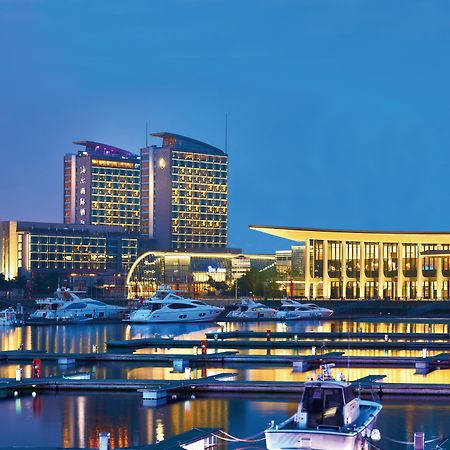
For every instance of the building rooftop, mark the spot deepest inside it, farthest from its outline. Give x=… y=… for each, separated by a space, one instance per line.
x=99 y=149
x=180 y=142
x=66 y=227
x=300 y=234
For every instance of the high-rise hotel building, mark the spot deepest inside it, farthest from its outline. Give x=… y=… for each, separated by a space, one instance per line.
x=184 y=194
x=101 y=186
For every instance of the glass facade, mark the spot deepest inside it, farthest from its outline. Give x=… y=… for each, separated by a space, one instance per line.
x=189 y=272
x=378 y=265
x=115 y=190
x=102 y=187
x=199 y=200
x=73 y=253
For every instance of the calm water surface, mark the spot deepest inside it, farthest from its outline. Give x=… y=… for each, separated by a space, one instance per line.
x=81 y=338
x=75 y=420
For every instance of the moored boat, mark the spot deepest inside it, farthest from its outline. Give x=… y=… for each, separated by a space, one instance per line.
x=9 y=317
x=247 y=308
x=329 y=417
x=167 y=306
x=294 y=310
x=67 y=307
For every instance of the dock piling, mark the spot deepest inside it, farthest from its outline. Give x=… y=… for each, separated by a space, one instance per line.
x=19 y=374
x=419 y=441
x=103 y=440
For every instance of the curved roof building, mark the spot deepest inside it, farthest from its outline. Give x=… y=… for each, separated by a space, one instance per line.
x=370 y=264
x=184 y=194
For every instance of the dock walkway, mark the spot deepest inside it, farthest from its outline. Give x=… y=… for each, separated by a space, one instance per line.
x=219 y=384
x=321 y=335
x=276 y=344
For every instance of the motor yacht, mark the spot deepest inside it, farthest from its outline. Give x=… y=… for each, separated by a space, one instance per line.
x=329 y=417
x=9 y=317
x=67 y=306
x=167 y=306
x=294 y=310
x=247 y=308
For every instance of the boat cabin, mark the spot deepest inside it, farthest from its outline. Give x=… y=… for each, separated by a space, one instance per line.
x=327 y=404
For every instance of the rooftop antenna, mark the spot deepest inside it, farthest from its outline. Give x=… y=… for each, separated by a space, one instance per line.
x=146 y=134
x=226 y=132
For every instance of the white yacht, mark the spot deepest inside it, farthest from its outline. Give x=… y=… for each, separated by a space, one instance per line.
x=293 y=310
x=167 y=306
x=247 y=308
x=9 y=317
x=66 y=306
x=329 y=417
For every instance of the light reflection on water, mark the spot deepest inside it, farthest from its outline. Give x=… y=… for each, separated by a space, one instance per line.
x=145 y=372
x=81 y=338
x=75 y=421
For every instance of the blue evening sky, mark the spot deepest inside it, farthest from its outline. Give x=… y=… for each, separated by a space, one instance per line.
x=339 y=110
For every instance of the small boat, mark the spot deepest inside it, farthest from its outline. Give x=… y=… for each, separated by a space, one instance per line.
x=9 y=317
x=294 y=310
x=247 y=308
x=167 y=306
x=67 y=307
x=329 y=417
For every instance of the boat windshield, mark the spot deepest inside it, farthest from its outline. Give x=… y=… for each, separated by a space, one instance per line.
x=154 y=306
x=324 y=406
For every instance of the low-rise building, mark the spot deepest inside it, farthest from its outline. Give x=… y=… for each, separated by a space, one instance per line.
x=80 y=254
x=354 y=264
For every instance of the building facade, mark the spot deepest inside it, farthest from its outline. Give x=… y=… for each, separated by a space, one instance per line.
x=184 y=194
x=190 y=271
x=73 y=251
x=102 y=186
x=368 y=264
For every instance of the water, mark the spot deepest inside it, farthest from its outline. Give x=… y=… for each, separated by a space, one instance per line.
x=75 y=420
x=81 y=338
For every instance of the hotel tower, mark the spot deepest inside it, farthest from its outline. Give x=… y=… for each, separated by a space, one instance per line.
x=184 y=194
x=101 y=186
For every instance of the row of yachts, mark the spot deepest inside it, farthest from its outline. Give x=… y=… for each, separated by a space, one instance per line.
x=166 y=305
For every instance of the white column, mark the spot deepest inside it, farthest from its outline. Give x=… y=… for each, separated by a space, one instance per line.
x=400 y=277
x=362 y=270
x=439 y=275
x=381 y=277
x=307 y=268
x=344 y=269
x=419 y=272
x=326 y=279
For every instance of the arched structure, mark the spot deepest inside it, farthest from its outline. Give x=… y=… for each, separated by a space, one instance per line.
x=189 y=272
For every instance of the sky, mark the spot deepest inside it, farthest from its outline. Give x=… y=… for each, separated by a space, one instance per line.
x=338 y=110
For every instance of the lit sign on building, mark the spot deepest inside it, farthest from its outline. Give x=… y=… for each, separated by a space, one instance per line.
x=216 y=269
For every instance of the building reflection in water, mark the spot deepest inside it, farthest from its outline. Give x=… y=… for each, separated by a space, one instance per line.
x=75 y=421
x=129 y=423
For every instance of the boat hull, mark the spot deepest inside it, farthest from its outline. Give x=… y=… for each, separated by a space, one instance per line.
x=286 y=438
x=174 y=317
x=252 y=315
x=302 y=440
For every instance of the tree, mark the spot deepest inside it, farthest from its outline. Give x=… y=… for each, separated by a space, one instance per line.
x=3 y=283
x=44 y=283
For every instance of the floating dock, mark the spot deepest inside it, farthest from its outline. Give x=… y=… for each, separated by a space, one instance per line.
x=320 y=335
x=134 y=344
x=217 y=384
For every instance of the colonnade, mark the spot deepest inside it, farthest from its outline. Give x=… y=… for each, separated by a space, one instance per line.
x=403 y=283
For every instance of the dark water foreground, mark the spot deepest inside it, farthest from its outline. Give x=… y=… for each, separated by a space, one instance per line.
x=75 y=420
